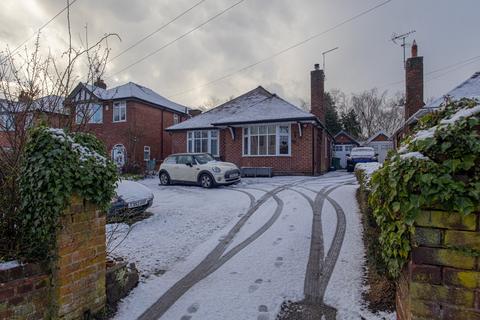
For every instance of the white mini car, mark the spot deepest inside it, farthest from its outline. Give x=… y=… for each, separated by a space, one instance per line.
x=197 y=168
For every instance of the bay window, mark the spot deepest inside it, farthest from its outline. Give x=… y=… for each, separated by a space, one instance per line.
x=203 y=141
x=267 y=140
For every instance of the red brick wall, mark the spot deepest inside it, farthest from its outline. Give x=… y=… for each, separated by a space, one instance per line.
x=380 y=137
x=414 y=86
x=317 y=88
x=344 y=139
x=80 y=270
x=145 y=126
x=300 y=161
x=441 y=282
x=24 y=293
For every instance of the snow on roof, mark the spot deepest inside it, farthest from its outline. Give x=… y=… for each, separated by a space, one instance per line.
x=470 y=89
x=50 y=103
x=255 y=106
x=133 y=90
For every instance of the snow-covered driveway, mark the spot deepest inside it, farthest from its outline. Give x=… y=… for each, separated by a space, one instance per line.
x=239 y=252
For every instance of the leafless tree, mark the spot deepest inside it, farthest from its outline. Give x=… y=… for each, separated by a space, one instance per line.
x=34 y=84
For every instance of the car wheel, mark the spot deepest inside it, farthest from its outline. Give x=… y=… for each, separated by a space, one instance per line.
x=206 y=181
x=164 y=179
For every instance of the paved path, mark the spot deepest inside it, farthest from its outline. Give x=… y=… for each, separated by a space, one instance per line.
x=319 y=267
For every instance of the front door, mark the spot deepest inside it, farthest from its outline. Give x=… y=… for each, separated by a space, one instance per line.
x=119 y=155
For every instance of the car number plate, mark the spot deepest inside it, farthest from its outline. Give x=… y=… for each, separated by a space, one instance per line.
x=138 y=203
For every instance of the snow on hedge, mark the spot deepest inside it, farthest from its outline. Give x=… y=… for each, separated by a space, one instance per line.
x=368 y=169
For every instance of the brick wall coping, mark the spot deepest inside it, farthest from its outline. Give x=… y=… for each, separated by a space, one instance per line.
x=19 y=271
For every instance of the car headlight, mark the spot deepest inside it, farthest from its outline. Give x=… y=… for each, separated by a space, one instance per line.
x=216 y=169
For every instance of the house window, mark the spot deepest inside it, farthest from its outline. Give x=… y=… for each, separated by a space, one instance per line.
x=203 y=141
x=348 y=148
x=6 y=122
x=120 y=111
x=338 y=148
x=92 y=113
x=146 y=153
x=268 y=140
x=176 y=119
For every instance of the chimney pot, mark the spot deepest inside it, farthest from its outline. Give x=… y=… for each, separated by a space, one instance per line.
x=414 y=49
x=317 y=66
x=100 y=83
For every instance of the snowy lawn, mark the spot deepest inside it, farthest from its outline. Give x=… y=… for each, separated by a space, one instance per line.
x=262 y=266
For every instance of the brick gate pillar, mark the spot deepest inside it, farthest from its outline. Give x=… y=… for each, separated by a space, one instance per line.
x=79 y=268
x=442 y=280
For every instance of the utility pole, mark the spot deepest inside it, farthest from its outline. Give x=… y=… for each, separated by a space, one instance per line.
x=403 y=44
x=323 y=56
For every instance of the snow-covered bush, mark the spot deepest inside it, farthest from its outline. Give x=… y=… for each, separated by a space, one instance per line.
x=57 y=165
x=364 y=172
x=439 y=165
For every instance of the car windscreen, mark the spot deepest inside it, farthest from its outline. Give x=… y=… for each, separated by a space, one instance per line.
x=203 y=158
x=362 y=152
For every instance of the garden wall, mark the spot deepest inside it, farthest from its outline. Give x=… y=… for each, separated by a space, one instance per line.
x=75 y=287
x=24 y=292
x=442 y=279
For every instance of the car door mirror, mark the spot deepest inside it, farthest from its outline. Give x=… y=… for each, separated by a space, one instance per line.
x=189 y=164
x=376 y=154
x=348 y=154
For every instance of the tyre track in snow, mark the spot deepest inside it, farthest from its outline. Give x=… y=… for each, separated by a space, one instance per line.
x=320 y=269
x=214 y=259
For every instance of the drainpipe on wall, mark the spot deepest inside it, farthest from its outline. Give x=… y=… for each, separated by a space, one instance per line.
x=313 y=150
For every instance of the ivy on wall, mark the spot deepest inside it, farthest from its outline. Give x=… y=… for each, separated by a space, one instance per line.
x=57 y=165
x=438 y=166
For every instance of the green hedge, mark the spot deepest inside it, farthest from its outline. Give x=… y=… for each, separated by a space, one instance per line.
x=439 y=165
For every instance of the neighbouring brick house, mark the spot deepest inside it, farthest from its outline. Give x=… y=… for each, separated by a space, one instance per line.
x=17 y=116
x=343 y=144
x=260 y=129
x=130 y=119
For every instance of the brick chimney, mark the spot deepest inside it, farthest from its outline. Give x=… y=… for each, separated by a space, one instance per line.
x=414 y=83
x=100 y=83
x=317 y=77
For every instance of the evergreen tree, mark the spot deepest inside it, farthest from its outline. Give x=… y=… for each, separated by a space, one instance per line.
x=350 y=123
x=332 y=121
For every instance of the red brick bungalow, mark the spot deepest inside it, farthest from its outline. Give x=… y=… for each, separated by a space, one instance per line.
x=130 y=119
x=260 y=129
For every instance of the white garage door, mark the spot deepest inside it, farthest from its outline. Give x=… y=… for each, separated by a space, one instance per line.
x=341 y=151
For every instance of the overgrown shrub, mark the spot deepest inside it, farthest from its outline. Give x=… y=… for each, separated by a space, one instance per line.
x=439 y=165
x=57 y=165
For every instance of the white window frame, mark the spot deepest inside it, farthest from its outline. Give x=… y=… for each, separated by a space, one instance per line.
x=147 y=149
x=277 y=140
x=191 y=138
x=119 y=106
x=176 y=119
x=80 y=115
x=338 y=148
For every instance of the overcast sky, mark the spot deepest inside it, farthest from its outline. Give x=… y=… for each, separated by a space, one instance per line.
x=446 y=32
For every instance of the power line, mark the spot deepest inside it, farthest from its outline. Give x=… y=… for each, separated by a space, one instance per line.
x=39 y=29
x=298 y=44
x=179 y=38
x=158 y=30
x=455 y=66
